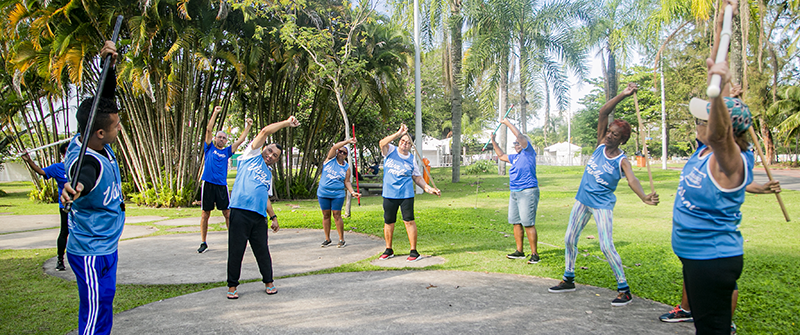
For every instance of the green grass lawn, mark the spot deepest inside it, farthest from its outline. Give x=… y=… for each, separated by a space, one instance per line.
x=469 y=229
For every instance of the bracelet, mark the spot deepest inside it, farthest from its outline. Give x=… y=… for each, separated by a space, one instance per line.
x=273 y=217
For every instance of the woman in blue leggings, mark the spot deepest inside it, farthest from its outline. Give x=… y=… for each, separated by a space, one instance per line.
x=330 y=193
x=595 y=197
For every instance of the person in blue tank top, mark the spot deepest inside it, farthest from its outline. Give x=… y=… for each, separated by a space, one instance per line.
x=595 y=197
x=400 y=173
x=98 y=212
x=214 y=189
x=57 y=172
x=523 y=200
x=250 y=207
x=706 y=213
x=334 y=179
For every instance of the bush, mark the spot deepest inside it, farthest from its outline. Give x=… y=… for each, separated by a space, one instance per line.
x=481 y=167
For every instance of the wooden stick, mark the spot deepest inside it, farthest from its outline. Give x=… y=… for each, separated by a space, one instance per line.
x=419 y=156
x=644 y=142
x=769 y=174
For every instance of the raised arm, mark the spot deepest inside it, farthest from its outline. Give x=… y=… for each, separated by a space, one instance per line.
x=501 y=155
x=210 y=126
x=521 y=139
x=336 y=147
x=636 y=186
x=384 y=143
x=248 y=123
x=272 y=128
x=32 y=164
x=726 y=165
x=608 y=107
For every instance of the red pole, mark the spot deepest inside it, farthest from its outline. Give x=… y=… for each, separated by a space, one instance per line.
x=355 y=164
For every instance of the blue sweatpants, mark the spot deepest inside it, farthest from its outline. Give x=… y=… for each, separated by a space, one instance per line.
x=97 y=284
x=577 y=221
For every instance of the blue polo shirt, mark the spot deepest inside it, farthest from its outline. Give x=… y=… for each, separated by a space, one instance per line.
x=522 y=174
x=57 y=171
x=215 y=168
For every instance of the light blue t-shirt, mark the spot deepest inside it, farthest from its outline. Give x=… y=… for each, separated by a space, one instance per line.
x=96 y=220
x=253 y=182
x=57 y=171
x=600 y=180
x=331 y=183
x=706 y=217
x=522 y=174
x=215 y=168
x=397 y=174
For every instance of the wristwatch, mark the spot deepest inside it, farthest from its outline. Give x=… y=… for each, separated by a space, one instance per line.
x=271 y=218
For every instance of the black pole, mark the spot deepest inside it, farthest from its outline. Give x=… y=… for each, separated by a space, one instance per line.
x=87 y=133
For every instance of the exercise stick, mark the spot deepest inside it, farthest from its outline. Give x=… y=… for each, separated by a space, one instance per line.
x=644 y=142
x=42 y=147
x=498 y=127
x=715 y=86
x=355 y=165
x=419 y=156
x=766 y=168
x=92 y=113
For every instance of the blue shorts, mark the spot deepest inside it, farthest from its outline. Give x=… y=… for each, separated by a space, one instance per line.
x=522 y=206
x=330 y=204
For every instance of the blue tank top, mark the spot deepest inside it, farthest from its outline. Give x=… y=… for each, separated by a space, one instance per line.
x=522 y=174
x=96 y=220
x=600 y=180
x=331 y=183
x=215 y=168
x=397 y=175
x=253 y=182
x=706 y=217
x=57 y=171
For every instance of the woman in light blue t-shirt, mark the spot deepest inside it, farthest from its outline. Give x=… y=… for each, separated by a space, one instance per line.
x=334 y=179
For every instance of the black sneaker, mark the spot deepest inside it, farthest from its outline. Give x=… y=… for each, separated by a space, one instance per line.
x=534 y=259
x=341 y=244
x=516 y=255
x=623 y=298
x=677 y=314
x=733 y=328
x=203 y=247
x=325 y=243
x=388 y=253
x=563 y=286
x=60 y=265
x=413 y=256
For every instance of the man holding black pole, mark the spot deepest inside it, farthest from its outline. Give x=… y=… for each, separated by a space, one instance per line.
x=97 y=215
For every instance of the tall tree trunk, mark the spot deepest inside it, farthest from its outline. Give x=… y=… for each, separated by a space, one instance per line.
x=456 y=22
x=546 y=108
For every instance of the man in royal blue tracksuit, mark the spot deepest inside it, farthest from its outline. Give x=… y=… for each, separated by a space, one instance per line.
x=98 y=213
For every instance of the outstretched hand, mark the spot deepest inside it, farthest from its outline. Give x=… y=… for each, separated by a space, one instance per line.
x=352 y=140
x=109 y=48
x=720 y=68
x=68 y=193
x=630 y=89
x=248 y=122
x=433 y=190
x=651 y=199
x=293 y=121
x=403 y=129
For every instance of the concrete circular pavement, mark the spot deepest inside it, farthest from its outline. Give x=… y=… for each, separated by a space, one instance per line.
x=400 y=302
x=173 y=259
x=46 y=238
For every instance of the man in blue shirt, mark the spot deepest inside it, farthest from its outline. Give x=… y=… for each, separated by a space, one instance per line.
x=250 y=207
x=55 y=171
x=215 y=174
x=98 y=213
x=524 y=197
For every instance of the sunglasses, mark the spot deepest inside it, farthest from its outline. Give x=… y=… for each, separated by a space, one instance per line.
x=700 y=122
x=516 y=143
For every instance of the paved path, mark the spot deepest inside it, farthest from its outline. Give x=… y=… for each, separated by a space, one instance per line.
x=20 y=223
x=400 y=302
x=790 y=179
x=46 y=238
x=173 y=259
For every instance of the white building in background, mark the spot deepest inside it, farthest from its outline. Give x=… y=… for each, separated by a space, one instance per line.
x=561 y=154
x=437 y=151
x=14 y=172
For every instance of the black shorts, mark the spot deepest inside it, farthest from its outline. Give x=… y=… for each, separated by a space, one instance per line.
x=213 y=193
x=390 y=209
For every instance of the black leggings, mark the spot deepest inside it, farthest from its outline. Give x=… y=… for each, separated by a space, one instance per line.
x=61 y=243
x=247 y=226
x=709 y=286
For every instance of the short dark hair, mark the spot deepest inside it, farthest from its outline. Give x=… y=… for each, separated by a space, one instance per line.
x=102 y=119
x=63 y=148
x=625 y=129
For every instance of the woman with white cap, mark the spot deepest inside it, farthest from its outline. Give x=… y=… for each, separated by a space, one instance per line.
x=335 y=178
x=706 y=215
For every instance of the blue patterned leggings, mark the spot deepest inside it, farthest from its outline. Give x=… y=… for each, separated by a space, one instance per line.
x=577 y=221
